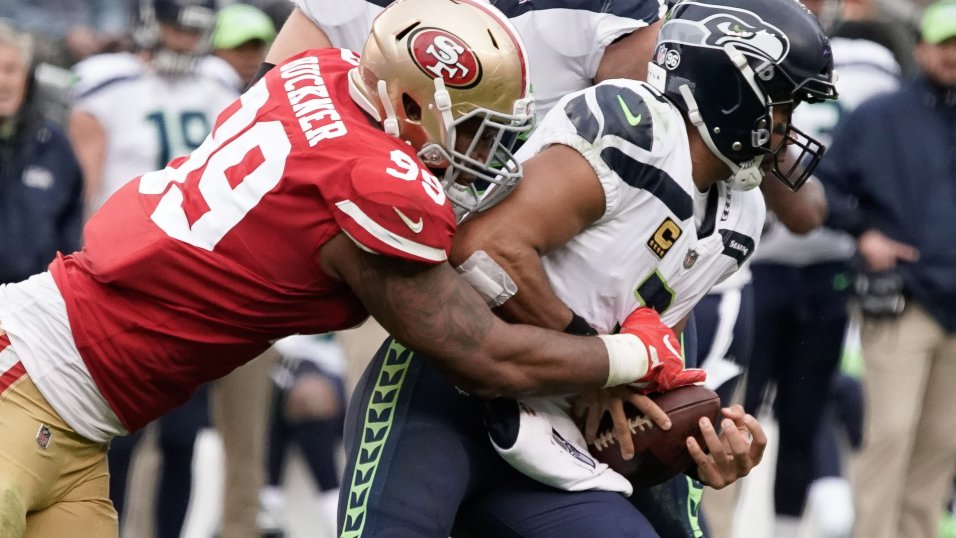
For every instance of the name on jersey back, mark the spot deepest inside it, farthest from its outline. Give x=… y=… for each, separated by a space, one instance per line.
x=310 y=100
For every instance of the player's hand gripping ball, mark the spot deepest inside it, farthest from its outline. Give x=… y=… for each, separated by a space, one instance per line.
x=659 y=455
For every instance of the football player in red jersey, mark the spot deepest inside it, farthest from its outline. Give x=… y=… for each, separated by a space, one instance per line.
x=312 y=204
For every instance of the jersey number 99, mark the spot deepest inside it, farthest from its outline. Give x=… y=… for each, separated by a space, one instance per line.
x=230 y=144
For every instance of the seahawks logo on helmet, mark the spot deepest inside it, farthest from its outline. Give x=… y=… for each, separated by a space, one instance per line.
x=739 y=27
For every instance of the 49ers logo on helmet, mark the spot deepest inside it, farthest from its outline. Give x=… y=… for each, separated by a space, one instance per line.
x=444 y=55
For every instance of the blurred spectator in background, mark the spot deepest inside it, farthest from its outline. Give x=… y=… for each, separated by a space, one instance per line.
x=132 y=113
x=798 y=337
x=241 y=38
x=308 y=412
x=69 y=30
x=41 y=186
x=891 y=177
x=277 y=10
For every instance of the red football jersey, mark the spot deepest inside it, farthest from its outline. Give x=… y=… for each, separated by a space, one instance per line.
x=188 y=272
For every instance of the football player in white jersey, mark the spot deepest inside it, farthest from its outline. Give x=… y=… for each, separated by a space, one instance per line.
x=571 y=44
x=133 y=112
x=634 y=195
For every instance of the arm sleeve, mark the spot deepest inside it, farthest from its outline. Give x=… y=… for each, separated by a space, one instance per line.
x=347 y=24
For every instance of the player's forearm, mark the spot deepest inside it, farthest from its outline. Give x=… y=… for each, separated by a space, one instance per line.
x=801 y=211
x=298 y=33
x=514 y=258
x=527 y=360
x=433 y=311
x=534 y=302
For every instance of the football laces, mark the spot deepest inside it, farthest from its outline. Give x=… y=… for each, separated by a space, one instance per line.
x=635 y=424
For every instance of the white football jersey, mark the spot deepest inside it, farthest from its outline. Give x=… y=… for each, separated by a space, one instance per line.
x=148 y=119
x=565 y=40
x=865 y=69
x=660 y=242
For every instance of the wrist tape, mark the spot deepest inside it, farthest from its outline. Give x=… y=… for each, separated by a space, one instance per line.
x=627 y=358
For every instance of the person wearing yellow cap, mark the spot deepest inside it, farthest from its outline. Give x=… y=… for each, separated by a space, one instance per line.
x=939 y=22
x=890 y=178
x=241 y=36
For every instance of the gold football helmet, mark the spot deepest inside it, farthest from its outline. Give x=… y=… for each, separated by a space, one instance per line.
x=450 y=77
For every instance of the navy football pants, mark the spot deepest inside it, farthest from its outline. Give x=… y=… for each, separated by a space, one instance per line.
x=417 y=452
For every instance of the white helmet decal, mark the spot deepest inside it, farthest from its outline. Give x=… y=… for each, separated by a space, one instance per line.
x=745 y=30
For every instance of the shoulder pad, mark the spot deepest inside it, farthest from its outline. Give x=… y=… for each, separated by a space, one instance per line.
x=619 y=108
x=101 y=70
x=393 y=205
x=216 y=69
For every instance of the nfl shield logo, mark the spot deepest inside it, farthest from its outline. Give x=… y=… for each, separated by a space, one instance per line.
x=690 y=259
x=43 y=436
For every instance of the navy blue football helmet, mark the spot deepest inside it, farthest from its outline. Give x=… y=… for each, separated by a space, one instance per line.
x=728 y=63
x=192 y=16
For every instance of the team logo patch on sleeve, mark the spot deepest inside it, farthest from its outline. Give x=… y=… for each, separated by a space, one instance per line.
x=664 y=237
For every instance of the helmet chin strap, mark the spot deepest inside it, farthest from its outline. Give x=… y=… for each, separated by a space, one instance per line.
x=744 y=176
x=390 y=124
x=433 y=153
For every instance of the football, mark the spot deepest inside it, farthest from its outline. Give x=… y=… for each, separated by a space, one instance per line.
x=659 y=455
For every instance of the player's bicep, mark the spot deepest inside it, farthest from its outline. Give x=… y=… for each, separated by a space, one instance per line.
x=628 y=56
x=428 y=308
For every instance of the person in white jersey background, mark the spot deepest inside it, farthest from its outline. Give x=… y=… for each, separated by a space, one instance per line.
x=133 y=112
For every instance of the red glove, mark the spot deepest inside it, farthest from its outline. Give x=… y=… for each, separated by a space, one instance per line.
x=665 y=368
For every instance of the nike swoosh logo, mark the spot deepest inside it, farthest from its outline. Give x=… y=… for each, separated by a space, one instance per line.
x=670 y=346
x=412 y=225
x=631 y=118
